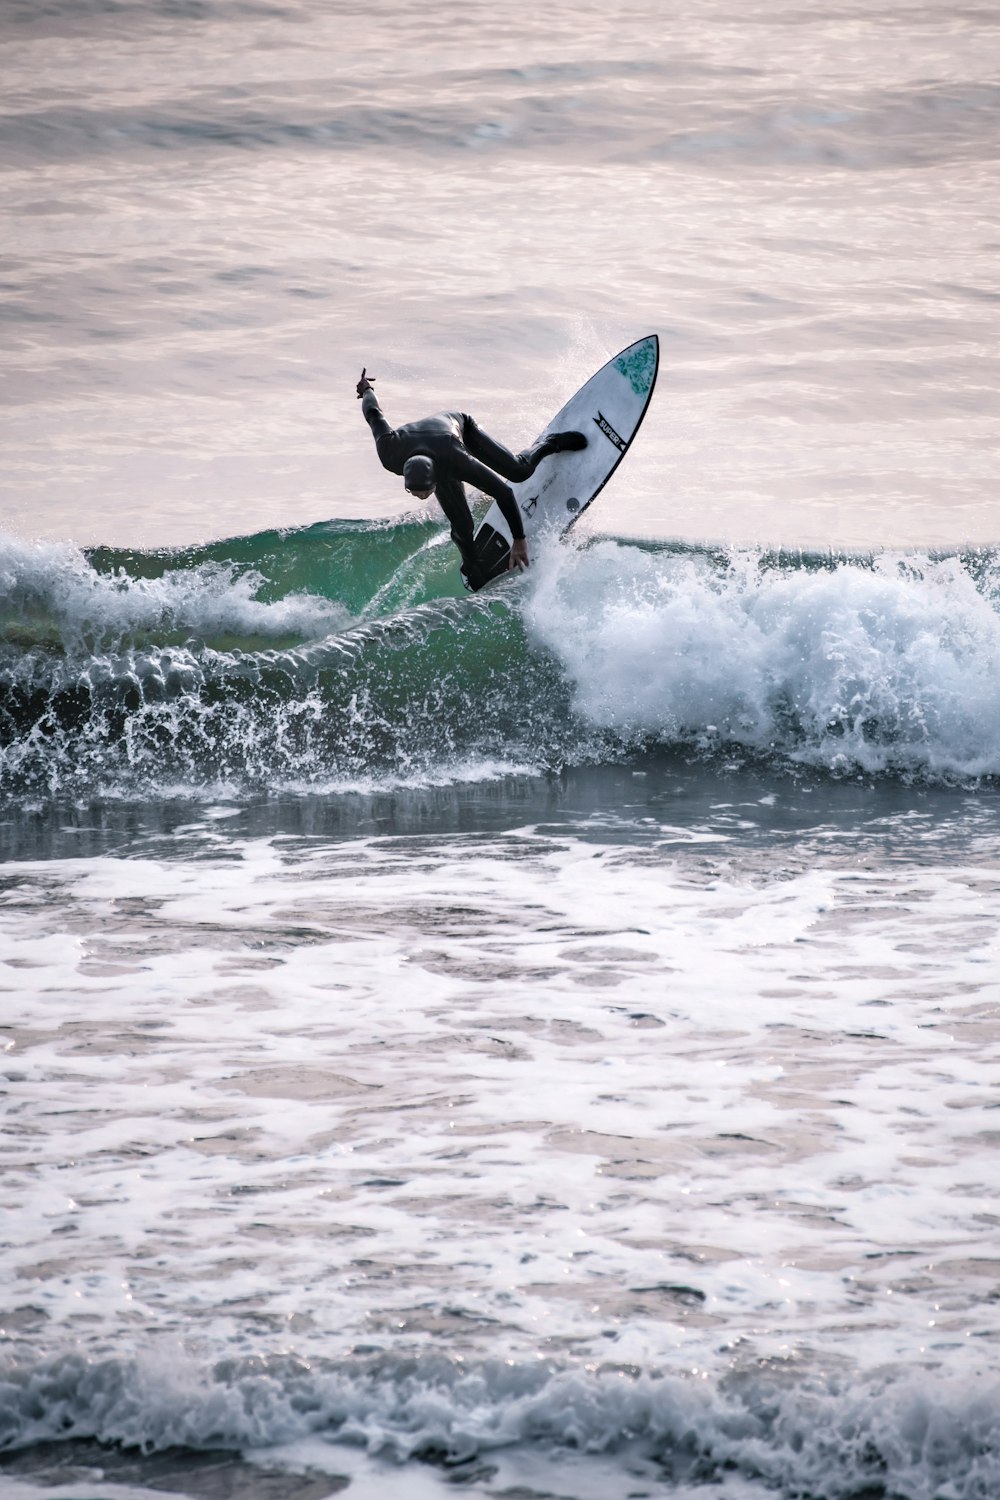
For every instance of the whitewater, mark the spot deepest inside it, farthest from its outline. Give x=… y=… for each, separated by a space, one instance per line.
x=221 y=667
x=542 y=1043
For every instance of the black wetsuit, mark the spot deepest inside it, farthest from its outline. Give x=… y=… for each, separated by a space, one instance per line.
x=463 y=454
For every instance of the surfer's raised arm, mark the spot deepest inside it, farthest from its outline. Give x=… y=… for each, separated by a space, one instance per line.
x=370 y=407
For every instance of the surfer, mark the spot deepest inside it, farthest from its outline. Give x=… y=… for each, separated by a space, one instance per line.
x=438 y=455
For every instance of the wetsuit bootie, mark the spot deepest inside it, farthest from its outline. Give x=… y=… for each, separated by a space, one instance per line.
x=568 y=442
x=560 y=442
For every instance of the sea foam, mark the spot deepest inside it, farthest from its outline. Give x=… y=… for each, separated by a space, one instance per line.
x=892 y=666
x=794 y=1430
x=51 y=595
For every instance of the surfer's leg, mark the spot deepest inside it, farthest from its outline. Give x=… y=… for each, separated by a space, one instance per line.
x=510 y=466
x=517 y=467
x=471 y=566
x=452 y=499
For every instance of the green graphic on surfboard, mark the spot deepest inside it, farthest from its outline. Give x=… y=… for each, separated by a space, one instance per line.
x=638 y=365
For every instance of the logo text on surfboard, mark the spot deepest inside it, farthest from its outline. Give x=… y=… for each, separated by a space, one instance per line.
x=609 y=431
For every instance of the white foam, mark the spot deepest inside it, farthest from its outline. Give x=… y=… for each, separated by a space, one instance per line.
x=648 y=1080
x=91 y=613
x=894 y=667
x=787 y=1429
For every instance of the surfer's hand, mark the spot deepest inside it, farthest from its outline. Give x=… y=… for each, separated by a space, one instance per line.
x=365 y=383
x=518 y=555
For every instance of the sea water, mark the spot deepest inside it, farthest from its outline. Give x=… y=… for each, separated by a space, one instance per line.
x=538 y=1044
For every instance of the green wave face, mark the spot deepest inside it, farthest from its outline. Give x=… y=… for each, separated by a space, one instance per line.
x=341 y=654
x=361 y=564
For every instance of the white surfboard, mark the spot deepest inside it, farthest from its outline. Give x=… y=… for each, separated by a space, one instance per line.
x=609 y=409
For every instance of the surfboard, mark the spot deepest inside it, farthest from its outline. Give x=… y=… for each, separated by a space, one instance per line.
x=609 y=409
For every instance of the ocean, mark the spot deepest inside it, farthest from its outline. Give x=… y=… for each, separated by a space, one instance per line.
x=543 y=1044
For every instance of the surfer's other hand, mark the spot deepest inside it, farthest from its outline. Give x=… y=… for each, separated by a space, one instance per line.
x=365 y=383
x=518 y=556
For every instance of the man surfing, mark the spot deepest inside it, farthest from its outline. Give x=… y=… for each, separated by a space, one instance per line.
x=438 y=455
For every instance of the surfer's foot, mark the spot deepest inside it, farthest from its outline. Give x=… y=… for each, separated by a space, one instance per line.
x=560 y=442
x=566 y=442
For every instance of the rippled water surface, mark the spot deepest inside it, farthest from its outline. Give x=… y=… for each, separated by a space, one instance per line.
x=218 y=212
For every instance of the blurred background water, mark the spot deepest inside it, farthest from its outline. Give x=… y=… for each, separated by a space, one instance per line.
x=217 y=212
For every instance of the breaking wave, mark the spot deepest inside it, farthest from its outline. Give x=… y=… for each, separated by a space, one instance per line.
x=341 y=655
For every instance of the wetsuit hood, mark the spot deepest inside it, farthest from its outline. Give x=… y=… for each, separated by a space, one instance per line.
x=418 y=473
